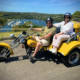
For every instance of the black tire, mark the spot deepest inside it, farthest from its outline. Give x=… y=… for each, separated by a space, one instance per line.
x=2 y=50
x=72 y=59
x=29 y=51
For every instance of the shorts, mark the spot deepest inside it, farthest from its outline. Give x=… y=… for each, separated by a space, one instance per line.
x=43 y=41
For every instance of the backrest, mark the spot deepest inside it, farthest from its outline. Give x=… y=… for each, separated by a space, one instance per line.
x=76 y=26
x=58 y=30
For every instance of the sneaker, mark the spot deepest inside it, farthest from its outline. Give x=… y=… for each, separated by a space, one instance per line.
x=54 y=51
x=51 y=49
x=31 y=57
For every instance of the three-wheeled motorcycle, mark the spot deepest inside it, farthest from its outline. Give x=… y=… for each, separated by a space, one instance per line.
x=69 y=50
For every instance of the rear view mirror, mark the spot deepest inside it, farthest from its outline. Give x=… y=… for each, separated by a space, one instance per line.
x=12 y=36
x=24 y=32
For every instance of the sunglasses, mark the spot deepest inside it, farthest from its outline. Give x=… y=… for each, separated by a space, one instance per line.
x=66 y=17
x=48 y=23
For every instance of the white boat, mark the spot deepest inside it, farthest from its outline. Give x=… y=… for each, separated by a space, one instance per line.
x=25 y=21
x=10 y=23
x=17 y=23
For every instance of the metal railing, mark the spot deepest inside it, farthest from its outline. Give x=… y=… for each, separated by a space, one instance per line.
x=74 y=37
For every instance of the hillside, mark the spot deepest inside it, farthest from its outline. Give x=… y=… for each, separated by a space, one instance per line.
x=31 y=15
x=4 y=16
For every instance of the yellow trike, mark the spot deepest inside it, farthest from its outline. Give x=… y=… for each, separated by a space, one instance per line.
x=69 y=50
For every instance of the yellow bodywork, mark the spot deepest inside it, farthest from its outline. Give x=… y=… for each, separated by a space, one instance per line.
x=76 y=26
x=31 y=42
x=3 y=44
x=65 y=48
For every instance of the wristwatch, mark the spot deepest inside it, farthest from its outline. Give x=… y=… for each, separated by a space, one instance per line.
x=43 y=37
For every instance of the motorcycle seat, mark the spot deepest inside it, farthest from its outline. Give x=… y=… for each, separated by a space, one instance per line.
x=74 y=39
x=58 y=30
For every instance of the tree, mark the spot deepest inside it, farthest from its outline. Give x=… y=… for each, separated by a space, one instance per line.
x=76 y=16
x=2 y=22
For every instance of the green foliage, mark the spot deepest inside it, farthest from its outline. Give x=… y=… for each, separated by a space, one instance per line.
x=76 y=16
x=37 y=26
x=31 y=15
x=0 y=39
x=26 y=25
x=1 y=15
x=2 y=22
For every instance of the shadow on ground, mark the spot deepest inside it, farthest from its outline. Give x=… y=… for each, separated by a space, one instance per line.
x=40 y=56
x=46 y=56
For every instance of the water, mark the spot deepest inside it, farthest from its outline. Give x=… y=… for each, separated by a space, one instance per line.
x=20 y=22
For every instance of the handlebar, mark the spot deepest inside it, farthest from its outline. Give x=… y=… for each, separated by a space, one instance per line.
x=35 y=32
x=24 y=32
x=17 y=39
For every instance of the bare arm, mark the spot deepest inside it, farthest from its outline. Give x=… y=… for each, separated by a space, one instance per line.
x=58 y=24
x=53 y=25
x=58 y=34
x=37 y=29
x=46 y=36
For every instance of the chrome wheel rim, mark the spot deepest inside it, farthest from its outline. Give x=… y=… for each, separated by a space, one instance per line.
x=2 y=52
x=74 y=58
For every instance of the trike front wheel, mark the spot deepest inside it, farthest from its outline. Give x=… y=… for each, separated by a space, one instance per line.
x=3 y=53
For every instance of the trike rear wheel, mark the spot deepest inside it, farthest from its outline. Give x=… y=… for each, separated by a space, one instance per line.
x=73 y=58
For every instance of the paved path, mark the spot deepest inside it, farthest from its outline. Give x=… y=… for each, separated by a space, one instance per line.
x=48 y=67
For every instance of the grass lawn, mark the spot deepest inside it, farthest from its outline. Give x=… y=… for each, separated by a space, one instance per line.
x=7 y=34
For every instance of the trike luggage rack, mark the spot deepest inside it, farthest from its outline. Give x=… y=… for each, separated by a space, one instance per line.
x=74 y=37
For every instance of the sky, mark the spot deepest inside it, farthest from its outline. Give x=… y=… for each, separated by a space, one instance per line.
x=40 y=6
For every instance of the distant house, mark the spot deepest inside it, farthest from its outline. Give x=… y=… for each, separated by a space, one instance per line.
x=0 y=26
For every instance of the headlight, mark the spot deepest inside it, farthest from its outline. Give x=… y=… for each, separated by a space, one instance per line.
x=22 y=41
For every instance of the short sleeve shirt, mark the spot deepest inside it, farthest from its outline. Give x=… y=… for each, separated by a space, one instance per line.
x=47 y=30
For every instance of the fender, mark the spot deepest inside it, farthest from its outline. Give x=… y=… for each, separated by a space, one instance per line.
x=3 y=44
x=65 y=48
